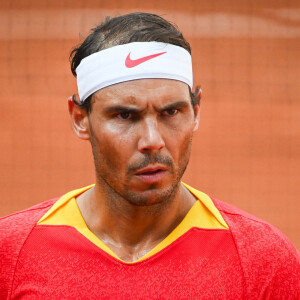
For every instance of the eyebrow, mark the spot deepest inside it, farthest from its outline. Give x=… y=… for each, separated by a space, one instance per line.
x=120 y=108
x=177 y=104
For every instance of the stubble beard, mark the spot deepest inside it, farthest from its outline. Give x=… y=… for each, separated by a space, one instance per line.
x=153 y=196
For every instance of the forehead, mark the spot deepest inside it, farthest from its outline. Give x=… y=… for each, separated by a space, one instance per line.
x=143 y=92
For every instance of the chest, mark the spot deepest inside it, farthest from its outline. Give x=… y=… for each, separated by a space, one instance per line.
x=57 y=262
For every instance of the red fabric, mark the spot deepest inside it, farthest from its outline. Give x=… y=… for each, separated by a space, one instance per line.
x=252 y=260
x=265 y=253
x=66 y=265
x=14 y=230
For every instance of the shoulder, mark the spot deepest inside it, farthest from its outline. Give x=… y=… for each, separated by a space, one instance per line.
x=247 y=228
x=14 y=230
x=267 y=256
x=22 y=220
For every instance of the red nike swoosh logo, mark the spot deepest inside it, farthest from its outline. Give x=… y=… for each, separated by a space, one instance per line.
x=130 y=63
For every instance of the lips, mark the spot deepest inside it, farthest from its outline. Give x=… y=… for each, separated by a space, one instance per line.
x=151 y=174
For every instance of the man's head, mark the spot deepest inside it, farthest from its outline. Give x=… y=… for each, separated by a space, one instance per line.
x=140 y=130
x=133 y=27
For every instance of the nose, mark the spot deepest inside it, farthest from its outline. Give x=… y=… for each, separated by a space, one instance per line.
x=150 y=136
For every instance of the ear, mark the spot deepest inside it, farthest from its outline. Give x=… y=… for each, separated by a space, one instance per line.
x=197 y=110
x=79 y=120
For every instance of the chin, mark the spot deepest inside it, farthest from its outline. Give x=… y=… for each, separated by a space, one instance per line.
x=151 y=196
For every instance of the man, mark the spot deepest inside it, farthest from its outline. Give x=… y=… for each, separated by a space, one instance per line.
x=139 y=232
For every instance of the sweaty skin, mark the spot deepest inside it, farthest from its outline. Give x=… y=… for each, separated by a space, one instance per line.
x=141 y=133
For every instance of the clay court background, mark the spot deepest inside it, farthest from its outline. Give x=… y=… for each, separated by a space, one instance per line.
x=246 y=56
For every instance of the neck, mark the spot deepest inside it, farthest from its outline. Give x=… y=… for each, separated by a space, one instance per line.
x=131 y=231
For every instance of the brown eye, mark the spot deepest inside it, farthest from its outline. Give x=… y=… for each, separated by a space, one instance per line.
x=124 y=115
x=171 y=111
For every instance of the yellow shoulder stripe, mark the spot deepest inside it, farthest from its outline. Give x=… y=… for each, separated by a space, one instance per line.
x=203 y=214
x=58 y=205
x=208 y=204
x=65 y=211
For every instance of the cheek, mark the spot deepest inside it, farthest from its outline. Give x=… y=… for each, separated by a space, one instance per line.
x=180 y=141
x=112 y=147
x=185 y=147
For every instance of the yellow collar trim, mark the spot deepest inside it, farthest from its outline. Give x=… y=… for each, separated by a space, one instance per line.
x=203 y=214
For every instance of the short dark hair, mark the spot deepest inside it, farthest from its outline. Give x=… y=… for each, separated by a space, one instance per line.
x=133 y=27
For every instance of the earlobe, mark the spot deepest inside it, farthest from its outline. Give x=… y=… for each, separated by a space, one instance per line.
x=79 y=120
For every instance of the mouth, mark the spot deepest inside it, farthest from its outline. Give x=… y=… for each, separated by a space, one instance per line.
x=151 y=174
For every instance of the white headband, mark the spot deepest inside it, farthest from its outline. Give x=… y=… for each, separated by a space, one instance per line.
x=133 y=61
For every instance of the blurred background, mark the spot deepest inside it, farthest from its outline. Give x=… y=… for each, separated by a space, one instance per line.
x=246 y=57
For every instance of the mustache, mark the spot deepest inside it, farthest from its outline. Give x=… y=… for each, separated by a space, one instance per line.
x=150 y=159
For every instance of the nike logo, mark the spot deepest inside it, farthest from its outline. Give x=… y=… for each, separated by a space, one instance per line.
x=130 y=63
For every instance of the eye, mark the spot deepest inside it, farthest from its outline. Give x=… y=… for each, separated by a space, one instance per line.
x=171 y=111
x=124 y=115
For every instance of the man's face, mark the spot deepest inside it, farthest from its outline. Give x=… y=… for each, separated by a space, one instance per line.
x=141 y=133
